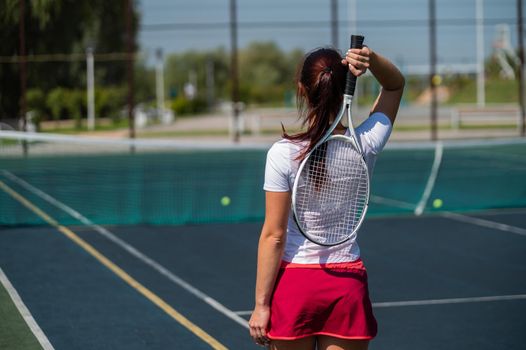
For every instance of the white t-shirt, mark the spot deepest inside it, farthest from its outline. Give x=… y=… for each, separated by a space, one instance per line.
x=280 y=172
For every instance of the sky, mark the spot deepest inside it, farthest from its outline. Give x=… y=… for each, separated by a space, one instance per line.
x=396 y=28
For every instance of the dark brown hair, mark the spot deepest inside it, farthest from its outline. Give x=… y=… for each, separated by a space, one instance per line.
x=320 y=87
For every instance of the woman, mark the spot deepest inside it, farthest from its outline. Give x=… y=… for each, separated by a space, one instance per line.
x=309 y=296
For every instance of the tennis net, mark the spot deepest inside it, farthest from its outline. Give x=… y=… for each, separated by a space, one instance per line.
x=167 y=182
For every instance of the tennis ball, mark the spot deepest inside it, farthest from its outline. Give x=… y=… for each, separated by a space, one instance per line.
x=436 y=80
x=225 y=201
x=437 y=203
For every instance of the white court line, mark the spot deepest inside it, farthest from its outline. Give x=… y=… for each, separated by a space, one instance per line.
x=24 y=312
x=140 y=143
x=457 y=217
x=484 y=223
x=244 y=313
x=392 y=202
x=207 y=299
x=130 y=249
x=430 y=180
x=453 y=216
x=432 y=302
x=449 y=301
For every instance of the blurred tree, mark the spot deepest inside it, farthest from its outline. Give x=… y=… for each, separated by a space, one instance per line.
x=178 y=68
x=61 y=26
x=144 y=82
x=267 y=73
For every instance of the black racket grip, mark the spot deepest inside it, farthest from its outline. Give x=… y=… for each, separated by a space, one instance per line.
x=350 y=85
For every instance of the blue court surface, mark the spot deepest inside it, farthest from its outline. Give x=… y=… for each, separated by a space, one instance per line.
x=144 y=245
x=446 y=281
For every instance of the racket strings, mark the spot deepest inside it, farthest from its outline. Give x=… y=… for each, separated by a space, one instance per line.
x=333 y=193
x=317 y=169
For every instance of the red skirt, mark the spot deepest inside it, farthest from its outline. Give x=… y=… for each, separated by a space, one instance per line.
x=330 y=300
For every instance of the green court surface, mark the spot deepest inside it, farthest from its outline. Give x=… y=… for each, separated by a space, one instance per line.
x=118 y=183
x=14 y=331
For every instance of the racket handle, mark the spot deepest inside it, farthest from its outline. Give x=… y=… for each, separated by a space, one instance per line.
x=350 y=85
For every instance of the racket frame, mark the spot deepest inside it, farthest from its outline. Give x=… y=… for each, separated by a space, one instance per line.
x=353 y=138
x=345 y=109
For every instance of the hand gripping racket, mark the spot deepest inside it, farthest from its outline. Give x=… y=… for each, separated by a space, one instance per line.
x=331 y=190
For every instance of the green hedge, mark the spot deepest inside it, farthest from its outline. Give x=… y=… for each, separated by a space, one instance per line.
x=62 y=104
x=184 y=106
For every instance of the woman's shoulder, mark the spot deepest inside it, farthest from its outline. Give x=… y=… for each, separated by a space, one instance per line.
x=375 y=120
x=374 y=132
x=285 y=152
x=286 y=146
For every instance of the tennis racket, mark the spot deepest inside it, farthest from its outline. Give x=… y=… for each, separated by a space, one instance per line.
x=331 y=190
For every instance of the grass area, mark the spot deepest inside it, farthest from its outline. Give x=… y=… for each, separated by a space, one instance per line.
x=8 y=142
x=270 y=131
x=68 y=126
x=398 y=128
x=215 y=132
x=497 y=91
x=182 y=133
x=14 y=332
x=420 y=127
x=487 y=127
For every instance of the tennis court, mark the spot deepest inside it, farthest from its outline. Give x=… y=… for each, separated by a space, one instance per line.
x=152 y=245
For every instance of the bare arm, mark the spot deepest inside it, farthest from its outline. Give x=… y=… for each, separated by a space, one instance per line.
x=385 y=72
x=392 y=82
x=270 y=252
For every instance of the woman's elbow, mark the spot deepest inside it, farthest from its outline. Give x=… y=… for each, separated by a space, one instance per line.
x=275 y=238
x=397 y=86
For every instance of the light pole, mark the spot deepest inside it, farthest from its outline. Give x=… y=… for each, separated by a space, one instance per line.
x=159 y=83
x=520 y=30
x=234 y=69
x=481 y=80
x=432 y=67
x=90 y=79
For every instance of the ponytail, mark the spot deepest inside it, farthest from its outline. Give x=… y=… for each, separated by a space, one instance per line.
x=321 y=82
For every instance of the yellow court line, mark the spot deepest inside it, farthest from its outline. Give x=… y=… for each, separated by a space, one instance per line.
x=117 y=270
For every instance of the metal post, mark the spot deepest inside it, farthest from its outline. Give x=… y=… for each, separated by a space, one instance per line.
x=23 y=73
x=159 y=83
x=90 y=78
x=210 y=83
x=481 y=81
x=353 y=15
x=234 y=68
x=22 y=62
x=432 y=69
x=522 y=68
x=334 y=22
x=131 y=87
